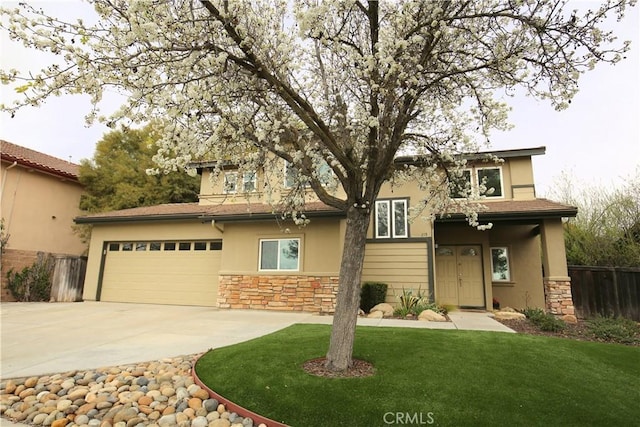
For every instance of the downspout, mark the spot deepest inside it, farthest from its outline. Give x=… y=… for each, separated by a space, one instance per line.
x=4 y=178
x=4 y=181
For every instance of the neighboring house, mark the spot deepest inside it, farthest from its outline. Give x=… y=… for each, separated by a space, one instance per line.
x=40 y=198
x=240 y=254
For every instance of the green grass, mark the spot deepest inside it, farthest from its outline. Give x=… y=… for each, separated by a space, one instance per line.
x=456 y=378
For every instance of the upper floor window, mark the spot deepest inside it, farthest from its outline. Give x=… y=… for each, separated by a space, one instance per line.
x=470 y=183
x=391 y=219
x=324 y=174
x=231 y=182
x=249 y=182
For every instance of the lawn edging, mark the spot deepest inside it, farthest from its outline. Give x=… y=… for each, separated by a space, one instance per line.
x=231 y=406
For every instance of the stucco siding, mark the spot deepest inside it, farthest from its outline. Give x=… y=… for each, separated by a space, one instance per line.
x=38 y=210
x=524 y=289
x=319 y=242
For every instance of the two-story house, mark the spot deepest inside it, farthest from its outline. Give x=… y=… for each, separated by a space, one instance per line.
x=40 y=197
x=232 y=250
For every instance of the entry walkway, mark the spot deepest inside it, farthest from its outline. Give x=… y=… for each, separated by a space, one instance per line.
x=43 y=338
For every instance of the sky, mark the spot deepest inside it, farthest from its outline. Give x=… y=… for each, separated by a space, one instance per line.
x=596 y=141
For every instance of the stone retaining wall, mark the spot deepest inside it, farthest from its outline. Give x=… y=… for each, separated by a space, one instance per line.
x=16 y=259
x=557 y=294
x=316 y=294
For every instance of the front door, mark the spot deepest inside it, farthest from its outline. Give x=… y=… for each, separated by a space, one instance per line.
x=459 y=279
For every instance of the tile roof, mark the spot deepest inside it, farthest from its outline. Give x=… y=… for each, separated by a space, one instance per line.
x=34 y=159
x=185 y=211
x=505 y=209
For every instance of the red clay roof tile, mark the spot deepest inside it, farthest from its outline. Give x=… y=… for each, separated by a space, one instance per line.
x=34 y=159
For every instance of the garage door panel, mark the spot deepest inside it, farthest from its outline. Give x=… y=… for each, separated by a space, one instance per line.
x=162 y=277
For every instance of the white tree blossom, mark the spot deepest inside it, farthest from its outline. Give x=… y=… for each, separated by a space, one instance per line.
x=349 y=84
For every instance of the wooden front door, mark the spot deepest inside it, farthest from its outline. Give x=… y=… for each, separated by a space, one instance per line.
x=459 y=278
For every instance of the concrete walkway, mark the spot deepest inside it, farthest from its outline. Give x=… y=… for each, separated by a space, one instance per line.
x=43 y=338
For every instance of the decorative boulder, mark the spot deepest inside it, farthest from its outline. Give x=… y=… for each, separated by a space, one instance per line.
x=508 y=310
x=509 y=315
x=376 y=315
x=569 y=318
x=386 y=309
x=431 y=316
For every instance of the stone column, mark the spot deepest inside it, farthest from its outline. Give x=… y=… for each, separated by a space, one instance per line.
x=557 y=294
x=557 y=283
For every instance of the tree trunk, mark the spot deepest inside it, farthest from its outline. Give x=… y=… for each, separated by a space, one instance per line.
x=339 y=356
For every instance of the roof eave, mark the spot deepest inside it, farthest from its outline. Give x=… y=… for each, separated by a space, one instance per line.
x=506 y=216
x=198 y=216
x=270 y=215
x=31 y=165
x=136 y=218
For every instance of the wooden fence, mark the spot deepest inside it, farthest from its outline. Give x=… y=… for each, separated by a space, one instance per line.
x=606 y=291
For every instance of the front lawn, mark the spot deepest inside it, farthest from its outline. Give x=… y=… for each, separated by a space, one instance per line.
x=436 y=377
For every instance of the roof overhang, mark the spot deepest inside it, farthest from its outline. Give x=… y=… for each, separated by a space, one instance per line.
x=204 y=213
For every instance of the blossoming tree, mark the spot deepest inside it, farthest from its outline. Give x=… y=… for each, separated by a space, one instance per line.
x=335 y=88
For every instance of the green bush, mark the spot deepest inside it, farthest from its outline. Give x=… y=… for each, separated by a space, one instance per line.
x=533 y=314
x=544 y=321
x=32 y=283
x=614 y=329
x=372 y=294
x=551 y=323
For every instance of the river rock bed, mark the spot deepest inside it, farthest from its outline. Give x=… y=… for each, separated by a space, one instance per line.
x=158 y=393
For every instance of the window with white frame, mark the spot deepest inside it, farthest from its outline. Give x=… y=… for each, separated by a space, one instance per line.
x=460 y=184
x=485 y=182
x=230 y=182
x=249 y=182
x=491 y=180
x=279 y=254
x=290 y=175
x=324 y=174
x=500 y=271
x=391 y=219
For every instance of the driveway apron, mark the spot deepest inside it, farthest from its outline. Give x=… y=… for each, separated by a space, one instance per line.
x=43 y=338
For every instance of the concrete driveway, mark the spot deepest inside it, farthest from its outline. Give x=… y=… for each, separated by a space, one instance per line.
x=43 y=338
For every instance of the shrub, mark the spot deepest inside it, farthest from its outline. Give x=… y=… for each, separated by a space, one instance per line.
x=533 y=314
x=32 y=283
x=544 y=321
x=614 y=329
x=372 y=294
x=551 y=323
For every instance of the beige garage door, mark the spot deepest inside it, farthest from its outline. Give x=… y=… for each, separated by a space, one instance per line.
x=176 y=272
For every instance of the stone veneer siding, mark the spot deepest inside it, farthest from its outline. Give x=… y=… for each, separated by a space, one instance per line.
x=557 y=294
x=316 y=294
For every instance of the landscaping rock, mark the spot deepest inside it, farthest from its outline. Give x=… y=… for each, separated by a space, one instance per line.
x=431 y=316
x=508 y=310
x=386 y=309
x=509 y=315
x=569 y=318
x=375 y=315
x=159 y=394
